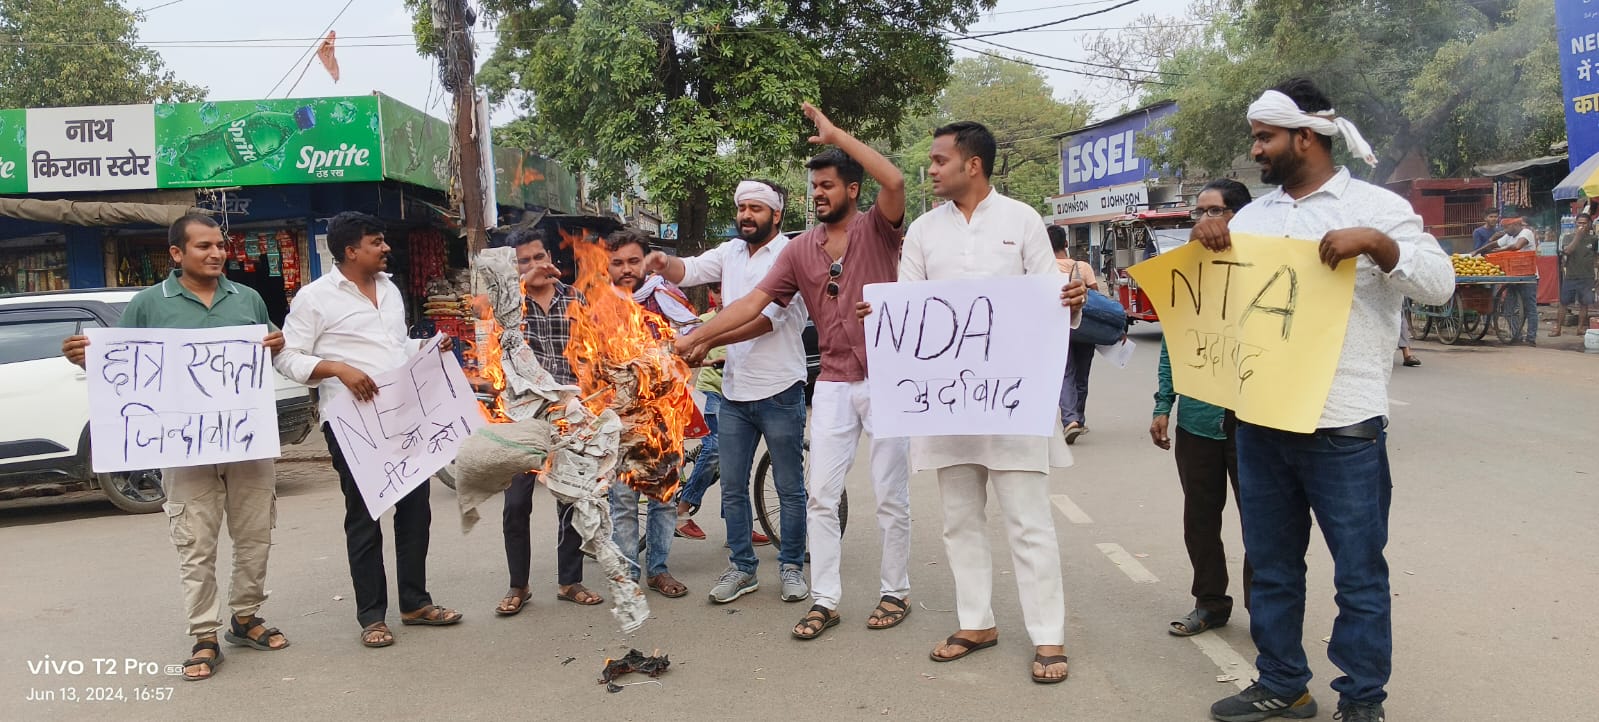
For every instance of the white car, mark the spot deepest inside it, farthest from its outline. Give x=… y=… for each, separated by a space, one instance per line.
x=44 y=434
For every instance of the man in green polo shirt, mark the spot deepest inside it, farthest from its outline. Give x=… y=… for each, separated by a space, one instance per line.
x=197 y=295
x=1207 y=460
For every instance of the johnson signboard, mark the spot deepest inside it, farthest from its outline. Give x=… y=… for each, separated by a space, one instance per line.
x=1105 y=154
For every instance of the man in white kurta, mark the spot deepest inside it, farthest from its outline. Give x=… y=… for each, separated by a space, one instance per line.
x=981 y=234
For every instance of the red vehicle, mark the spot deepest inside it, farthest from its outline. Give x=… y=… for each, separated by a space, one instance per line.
x=1137 y=237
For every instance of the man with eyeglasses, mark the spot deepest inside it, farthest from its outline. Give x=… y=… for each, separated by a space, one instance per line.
x=827 y=266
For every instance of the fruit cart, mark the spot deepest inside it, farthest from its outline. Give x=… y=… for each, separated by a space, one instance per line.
x=1485 y=299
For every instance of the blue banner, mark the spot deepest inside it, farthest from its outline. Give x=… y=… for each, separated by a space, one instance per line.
x=1577 y=27
x=1104 y=155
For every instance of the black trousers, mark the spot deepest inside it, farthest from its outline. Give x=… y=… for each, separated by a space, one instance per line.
x=519 y=540
x=363 y=539
x=1206 y=468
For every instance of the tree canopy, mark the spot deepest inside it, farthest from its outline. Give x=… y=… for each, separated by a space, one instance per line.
x=80 y=52
x=693 y=95
x=1459 y=81
x=1018 y=106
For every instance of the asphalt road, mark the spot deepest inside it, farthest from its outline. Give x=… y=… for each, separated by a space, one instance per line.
x=1491 y=549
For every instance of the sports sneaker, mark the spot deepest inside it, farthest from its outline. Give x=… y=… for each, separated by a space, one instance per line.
x=794 y=586
x=759 y=539
x=689 y=530
x=1258 y=703
x=1359 y=712
x=1073 y=430
x=732 y=585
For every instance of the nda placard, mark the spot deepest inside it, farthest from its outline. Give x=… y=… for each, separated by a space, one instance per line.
x=966 y=357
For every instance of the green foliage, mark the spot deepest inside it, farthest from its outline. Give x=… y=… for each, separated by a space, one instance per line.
x=692 y=95
x=80 y=52
x=1018 y=106
x=1461 y=81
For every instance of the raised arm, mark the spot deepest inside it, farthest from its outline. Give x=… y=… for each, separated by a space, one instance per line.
x=694 y=346
x=891 y=196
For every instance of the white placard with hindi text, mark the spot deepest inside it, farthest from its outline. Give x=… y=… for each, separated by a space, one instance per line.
x=410 y=430
x=966 y=357
x=165 y=397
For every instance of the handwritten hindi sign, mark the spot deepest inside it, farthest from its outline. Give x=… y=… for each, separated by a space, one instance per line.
x=410 y=430
x=106 y=147
x=966 y=357
x=1257 y=329
x=180 y=397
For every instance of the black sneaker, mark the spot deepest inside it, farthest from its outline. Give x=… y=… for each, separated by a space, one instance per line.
x=1359 y=712
x=1257 y=703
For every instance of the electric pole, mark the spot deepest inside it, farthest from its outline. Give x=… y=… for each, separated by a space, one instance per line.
x=457 y=69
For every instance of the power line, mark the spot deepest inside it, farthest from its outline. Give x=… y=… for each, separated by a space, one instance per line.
x=1155 y=71
x=1047 y=7
x=1053 y=23
x=169 y=3
x=1051 y=67
x=311 y=49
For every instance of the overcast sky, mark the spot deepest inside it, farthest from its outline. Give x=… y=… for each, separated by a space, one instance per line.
x=376 y=52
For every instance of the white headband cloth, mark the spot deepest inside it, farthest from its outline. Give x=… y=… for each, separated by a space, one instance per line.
x=760 y=193
x=1274 y=108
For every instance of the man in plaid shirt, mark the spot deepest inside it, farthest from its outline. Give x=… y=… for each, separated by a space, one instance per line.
x=547 y=329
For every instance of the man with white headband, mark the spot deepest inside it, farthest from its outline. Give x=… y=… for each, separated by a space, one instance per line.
x=1340 y=472
x=763 y=385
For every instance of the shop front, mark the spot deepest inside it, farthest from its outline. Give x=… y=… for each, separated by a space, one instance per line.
x=1104 y=177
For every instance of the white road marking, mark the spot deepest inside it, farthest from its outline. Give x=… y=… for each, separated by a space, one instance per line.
x=1073 y=512
x=1228 y=660
x=1397 y=402
x=1128 y=564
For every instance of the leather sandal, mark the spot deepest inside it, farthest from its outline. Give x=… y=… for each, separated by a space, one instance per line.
x=965 y=644
x=1045 y=662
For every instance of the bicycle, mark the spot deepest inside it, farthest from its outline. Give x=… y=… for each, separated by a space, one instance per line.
x=763 y=488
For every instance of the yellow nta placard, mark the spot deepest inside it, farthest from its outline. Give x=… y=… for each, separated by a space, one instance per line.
x=1257 y=329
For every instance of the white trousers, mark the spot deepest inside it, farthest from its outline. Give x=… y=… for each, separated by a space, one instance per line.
x=839 y=413
x=1030 y=526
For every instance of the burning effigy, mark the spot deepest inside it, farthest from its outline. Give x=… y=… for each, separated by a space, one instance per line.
x=624 y=422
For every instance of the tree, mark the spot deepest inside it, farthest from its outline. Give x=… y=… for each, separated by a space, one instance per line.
x=694 y=94
x=80 y=52
x=1461 y=81
x=1017 y=104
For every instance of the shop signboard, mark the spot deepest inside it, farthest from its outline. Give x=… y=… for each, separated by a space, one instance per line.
x=1577 y=32
x=269 y=142
x=92 y=148
x=416 y=147
x=1098 y=204
x=1106 y=154
x=13 y=151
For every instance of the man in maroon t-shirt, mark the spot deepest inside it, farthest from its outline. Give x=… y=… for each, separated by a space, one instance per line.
x=828 y=266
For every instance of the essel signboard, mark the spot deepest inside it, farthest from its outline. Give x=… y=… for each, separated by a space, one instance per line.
x=1106 y=155
x=1577 y=28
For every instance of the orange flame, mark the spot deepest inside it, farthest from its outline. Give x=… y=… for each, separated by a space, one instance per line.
x=616 y=341
x=486 y=351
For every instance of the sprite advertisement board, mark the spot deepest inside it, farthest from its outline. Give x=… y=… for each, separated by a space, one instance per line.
x=268 y=142
x=13 y=151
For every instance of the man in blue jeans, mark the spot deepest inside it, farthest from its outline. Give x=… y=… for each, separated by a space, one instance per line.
x=763 y=389
x=627 y=247
x=1340 y=472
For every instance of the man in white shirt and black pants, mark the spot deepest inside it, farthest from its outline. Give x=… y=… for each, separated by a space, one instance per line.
x=344 y=326
x=1340 y=472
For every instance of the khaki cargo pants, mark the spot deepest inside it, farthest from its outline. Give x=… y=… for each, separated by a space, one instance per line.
x=198 y=497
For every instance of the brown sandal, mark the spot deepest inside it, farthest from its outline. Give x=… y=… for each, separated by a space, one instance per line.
x=376 y=628
x=667 y=586
x=575 y=596
x=965 y=644
x=1045 y=662
x=886 y=613
x=515 y=597
x=816 y=621
x=433 y=615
